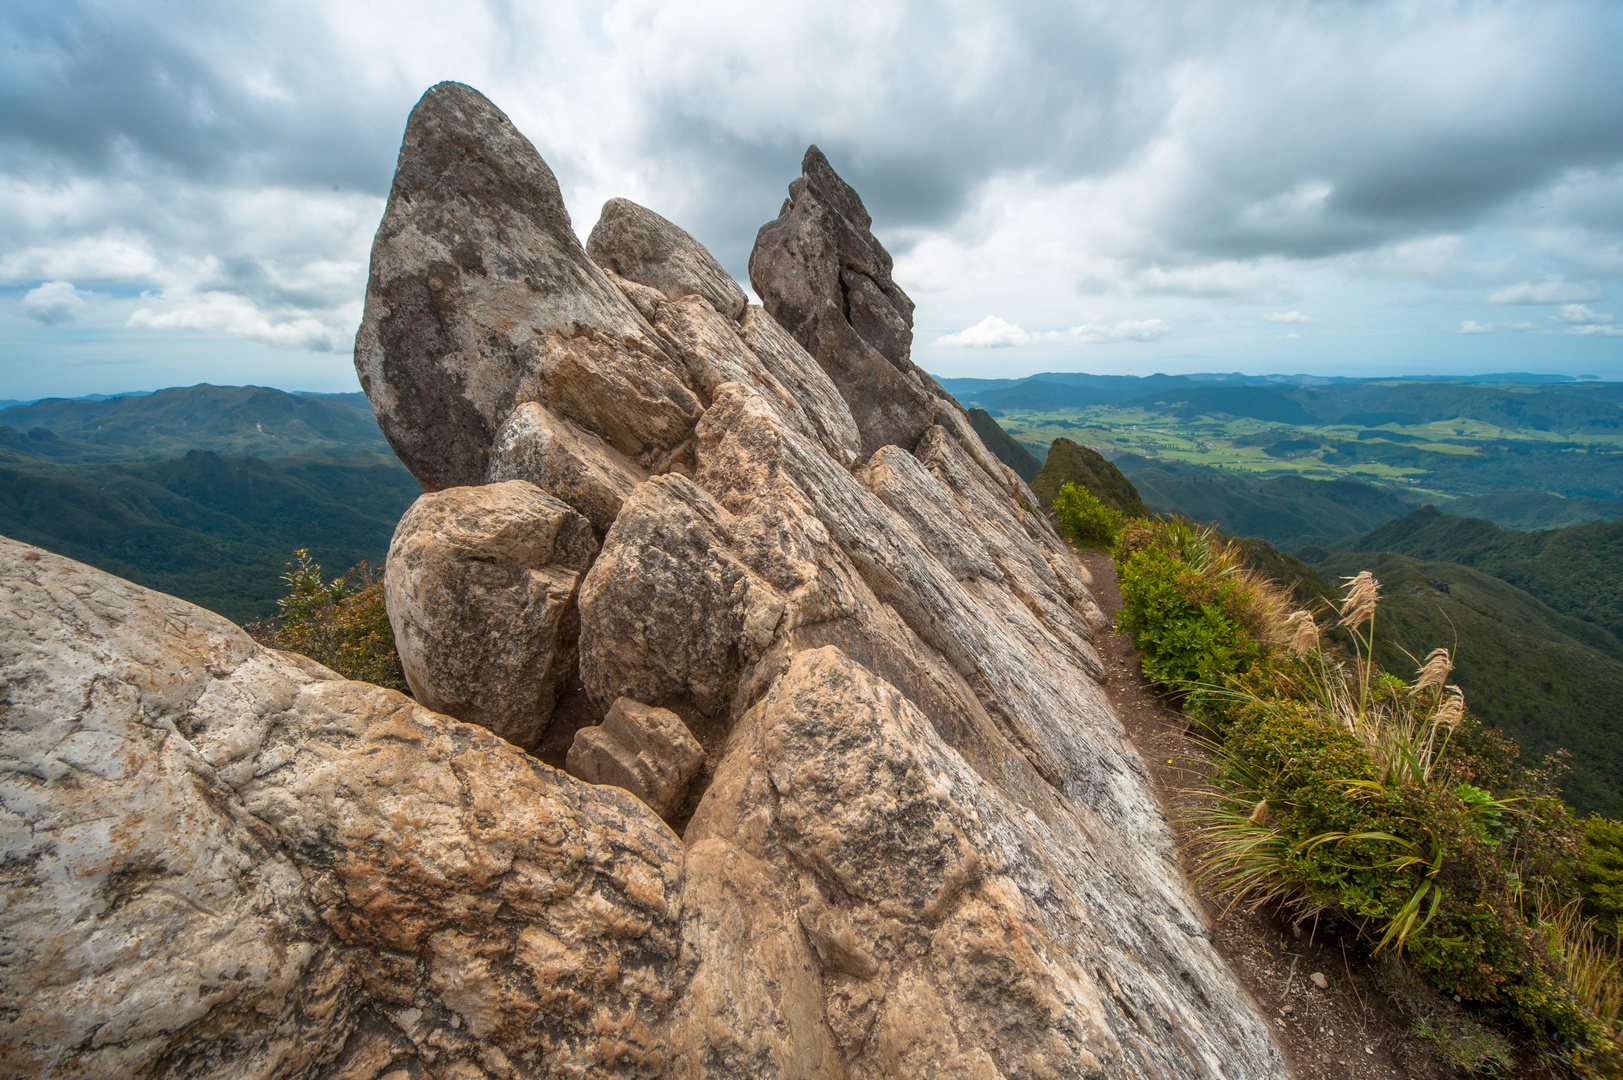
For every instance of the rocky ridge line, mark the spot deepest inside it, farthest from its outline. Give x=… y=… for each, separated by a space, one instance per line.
x=926 y=846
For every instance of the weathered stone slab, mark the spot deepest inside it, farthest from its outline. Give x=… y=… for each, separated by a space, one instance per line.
x=648 y=752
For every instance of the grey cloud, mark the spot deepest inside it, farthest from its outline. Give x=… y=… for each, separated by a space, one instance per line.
x=90 y=86
x=1216 y=135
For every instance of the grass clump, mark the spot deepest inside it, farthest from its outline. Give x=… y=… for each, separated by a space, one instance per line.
x=341 y=623
x=1462 y=1041
x=1348 y=793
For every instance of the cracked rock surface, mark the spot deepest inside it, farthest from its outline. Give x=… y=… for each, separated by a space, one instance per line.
x=919 y=843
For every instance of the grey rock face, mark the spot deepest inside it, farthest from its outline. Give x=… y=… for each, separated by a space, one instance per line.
x=480 y=297
x=648 y=752
x=225 y=861
x=481 y=585
x=928 y=850
x=822 y=274
x=641 y=246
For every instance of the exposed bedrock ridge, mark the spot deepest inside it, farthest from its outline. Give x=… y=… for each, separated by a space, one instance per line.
x=829 y=499
x=926 y=847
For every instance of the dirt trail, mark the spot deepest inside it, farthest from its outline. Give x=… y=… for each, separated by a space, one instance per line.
x=1347 y=1027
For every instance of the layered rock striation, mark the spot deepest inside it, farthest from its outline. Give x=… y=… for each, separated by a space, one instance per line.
x=920 y=843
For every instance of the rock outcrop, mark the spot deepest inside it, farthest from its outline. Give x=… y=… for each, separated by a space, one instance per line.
x=823 y=275
x=922 y=844
x=220 y=860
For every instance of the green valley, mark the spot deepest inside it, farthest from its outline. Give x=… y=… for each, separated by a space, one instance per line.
x=203 y=492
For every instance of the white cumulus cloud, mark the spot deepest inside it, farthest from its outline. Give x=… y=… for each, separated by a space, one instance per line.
x=1581 y=315
x=994 y=332
x=222 y=312
x=1290 y=317
x=1552 y=290
x=55 y=303
x=1471 y=327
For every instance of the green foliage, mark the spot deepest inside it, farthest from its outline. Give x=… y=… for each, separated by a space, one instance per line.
x=1346 y=792
x=1072 y=463
x=1083 y=519
x=341 y=623
x=1190 y=613
x=1600 y=873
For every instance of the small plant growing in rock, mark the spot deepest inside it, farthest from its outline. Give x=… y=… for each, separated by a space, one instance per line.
x=341 y=623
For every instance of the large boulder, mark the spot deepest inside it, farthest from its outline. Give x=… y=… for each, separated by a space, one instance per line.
x=481 y=297
x=481 y=587
x=221 y=860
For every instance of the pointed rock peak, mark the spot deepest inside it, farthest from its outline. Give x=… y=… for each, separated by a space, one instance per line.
x=458 y=143
x=842 y=196
x=644 y=247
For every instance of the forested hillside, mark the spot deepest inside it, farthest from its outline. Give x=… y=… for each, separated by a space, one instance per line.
x=1287 y=511
x=252 y=420
x=210 y=528
x=1577 y=570
x=203 y=492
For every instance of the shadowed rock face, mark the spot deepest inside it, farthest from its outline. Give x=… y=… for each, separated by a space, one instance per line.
x=926 y=847
x=822 y=274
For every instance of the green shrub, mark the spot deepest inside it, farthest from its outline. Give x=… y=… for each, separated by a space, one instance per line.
x=1600 y=873
x=1083 y=519
x=1197 y=613
x=1347 y=792
x=342 y=623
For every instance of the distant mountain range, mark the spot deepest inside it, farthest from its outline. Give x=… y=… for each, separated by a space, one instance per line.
x=1569 y=406
x=252 y=420
x=203 y=492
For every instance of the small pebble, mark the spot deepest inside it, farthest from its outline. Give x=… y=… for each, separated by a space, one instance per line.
x=1319 y=980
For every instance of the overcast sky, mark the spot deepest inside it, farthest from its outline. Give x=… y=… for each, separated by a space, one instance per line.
x=190 y=188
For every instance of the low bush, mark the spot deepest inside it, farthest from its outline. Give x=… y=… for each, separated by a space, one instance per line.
x=1348 y=793
x=341 y=623
x=1084 y=520
x=1600 y=874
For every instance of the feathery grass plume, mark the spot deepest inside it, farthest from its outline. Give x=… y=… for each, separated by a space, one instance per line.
x=1357 y=609
x=1303 y=632
x=1358 y=606
x=1434 y=671
x=1451 y=710
x=1259 y=813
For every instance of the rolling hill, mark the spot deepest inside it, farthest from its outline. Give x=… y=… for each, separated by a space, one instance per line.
x=1287 y=511
x=253 y=420
x=1577 y=571
x=203 y=492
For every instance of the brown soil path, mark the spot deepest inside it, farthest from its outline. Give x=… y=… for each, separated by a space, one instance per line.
x=1345 y=1028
